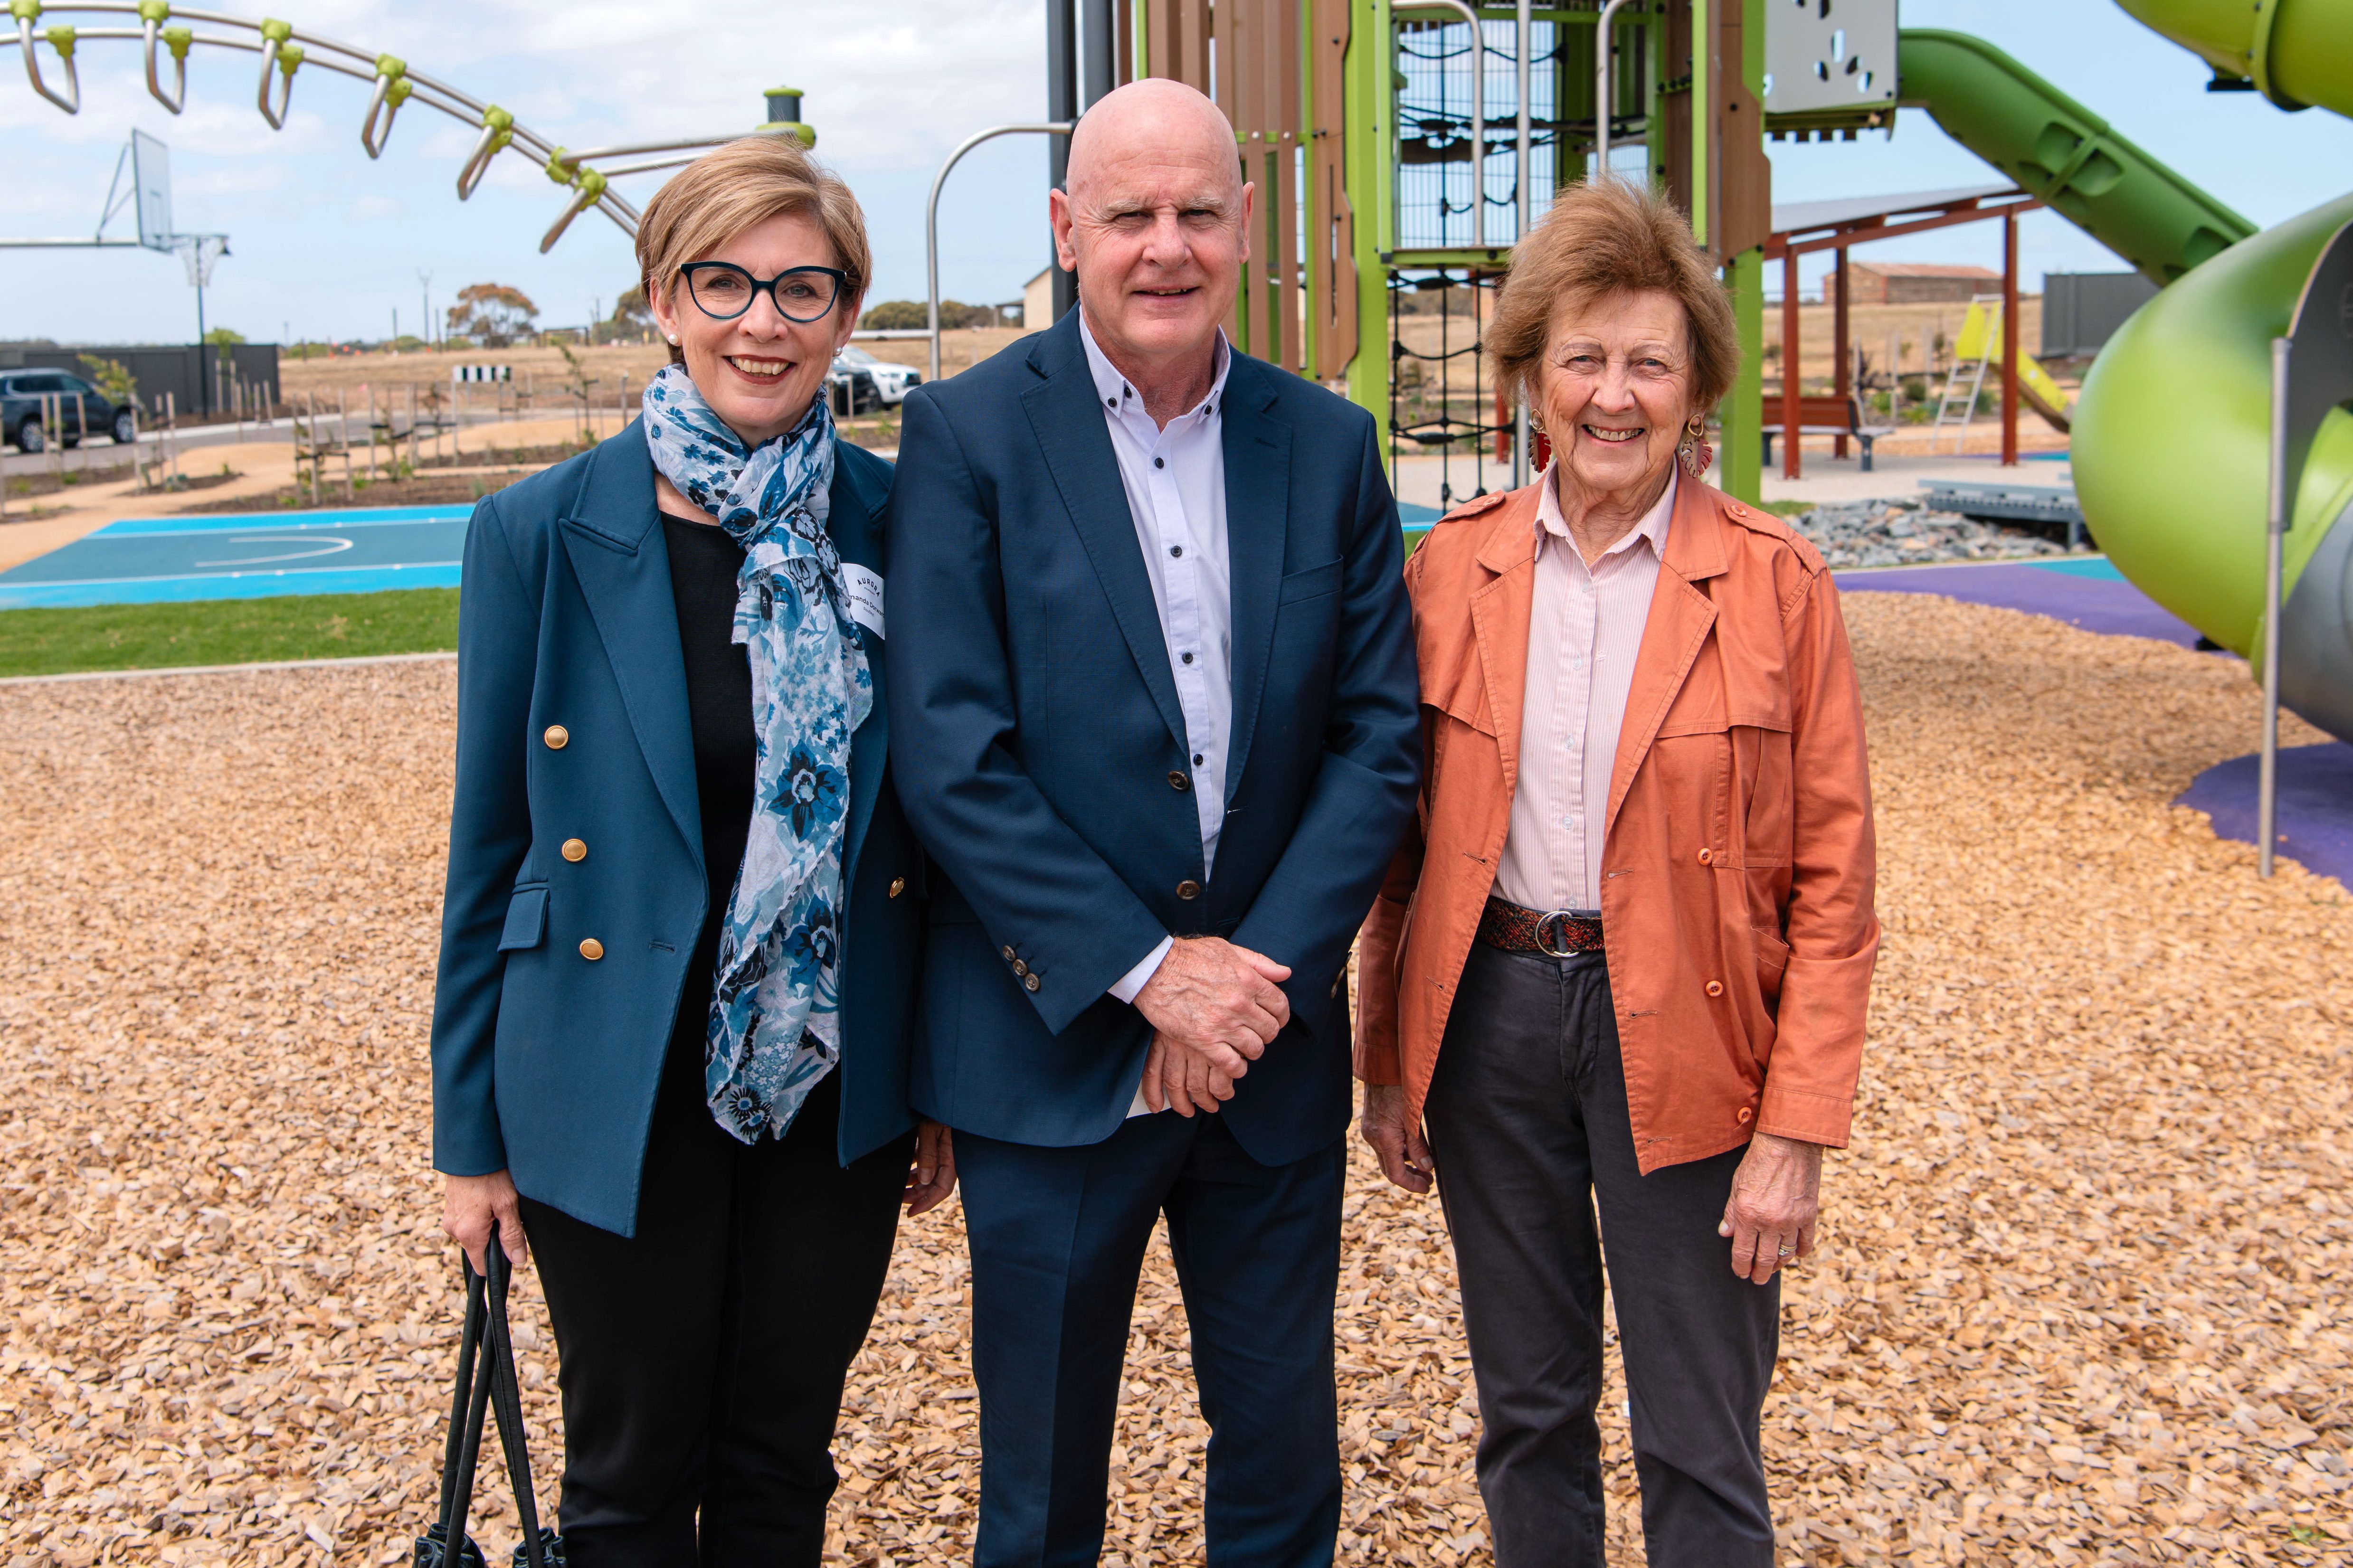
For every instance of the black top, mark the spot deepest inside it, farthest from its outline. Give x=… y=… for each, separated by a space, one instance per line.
x=703 y=564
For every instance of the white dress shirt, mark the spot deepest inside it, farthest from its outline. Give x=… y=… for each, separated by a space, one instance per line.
x=1584 y=628
x=1176 y=484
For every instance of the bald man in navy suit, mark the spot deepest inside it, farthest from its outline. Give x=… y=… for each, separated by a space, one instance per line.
x=1153 y=687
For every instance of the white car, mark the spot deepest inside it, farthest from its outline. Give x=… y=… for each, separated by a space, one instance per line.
x=890 y=381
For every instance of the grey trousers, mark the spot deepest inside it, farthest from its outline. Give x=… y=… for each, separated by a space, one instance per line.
x=1528 y=1121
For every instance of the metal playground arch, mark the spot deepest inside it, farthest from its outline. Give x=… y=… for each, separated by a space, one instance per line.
x=165 y=37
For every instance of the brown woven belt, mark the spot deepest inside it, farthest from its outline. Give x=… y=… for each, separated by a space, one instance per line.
x=1556 y=933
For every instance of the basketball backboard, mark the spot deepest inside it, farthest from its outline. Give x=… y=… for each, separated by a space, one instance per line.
x=151 y=177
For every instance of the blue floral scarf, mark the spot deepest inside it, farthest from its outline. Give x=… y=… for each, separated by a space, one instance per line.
x=774 y=1027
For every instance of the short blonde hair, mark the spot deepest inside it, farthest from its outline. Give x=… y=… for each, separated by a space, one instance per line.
x=748 y=182
x=1609 y=237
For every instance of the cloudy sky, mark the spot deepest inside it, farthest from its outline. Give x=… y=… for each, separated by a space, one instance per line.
x=326 y=243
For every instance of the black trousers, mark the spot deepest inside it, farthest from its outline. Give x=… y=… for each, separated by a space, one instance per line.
x=702 y=1360
x=1528 y=1121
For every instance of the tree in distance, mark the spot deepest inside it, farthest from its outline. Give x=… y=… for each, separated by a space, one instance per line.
x=914 y=315
x=492 y=313
x=630 y=313
x=223 y=339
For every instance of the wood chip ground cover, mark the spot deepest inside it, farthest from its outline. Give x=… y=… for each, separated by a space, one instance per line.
x=2085 y=1272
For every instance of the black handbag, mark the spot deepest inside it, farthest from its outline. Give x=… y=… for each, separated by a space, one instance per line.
x=486 y=1381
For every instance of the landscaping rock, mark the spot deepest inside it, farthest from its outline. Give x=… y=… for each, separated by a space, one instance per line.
x=1904 y=533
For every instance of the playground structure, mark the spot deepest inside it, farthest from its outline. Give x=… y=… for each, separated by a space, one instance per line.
x=1400 y=149
x=1403 y=147
x=284 y=49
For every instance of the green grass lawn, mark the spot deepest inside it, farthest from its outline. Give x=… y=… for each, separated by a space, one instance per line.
x=227 y=631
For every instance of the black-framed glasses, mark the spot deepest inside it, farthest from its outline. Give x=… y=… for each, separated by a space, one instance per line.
x=723 y=290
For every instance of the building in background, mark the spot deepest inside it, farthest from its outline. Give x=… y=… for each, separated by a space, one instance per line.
x=196 y=375
x=1919 y=283
x=1037 y=303
x=2082 y=311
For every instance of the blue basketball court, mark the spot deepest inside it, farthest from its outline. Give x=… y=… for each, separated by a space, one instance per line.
x=247 y=556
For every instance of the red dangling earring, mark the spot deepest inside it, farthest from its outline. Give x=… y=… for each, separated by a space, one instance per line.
x=1696 y=453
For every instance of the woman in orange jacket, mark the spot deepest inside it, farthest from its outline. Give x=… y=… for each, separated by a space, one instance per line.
x=1624 y=956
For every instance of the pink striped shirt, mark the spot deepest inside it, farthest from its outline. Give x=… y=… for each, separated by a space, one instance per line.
x=1584 y=627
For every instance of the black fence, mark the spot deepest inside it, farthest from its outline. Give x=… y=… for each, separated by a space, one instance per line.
x=2082 y=311
x=198 y=376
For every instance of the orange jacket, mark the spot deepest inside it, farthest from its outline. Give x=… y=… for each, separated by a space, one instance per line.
x=1737 y=856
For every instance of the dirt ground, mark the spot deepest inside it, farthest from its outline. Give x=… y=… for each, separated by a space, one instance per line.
x=2080 y=1297
x=1869 y=328
x=542 y=375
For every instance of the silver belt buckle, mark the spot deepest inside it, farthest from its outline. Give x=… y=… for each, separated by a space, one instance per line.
x=1550 y=921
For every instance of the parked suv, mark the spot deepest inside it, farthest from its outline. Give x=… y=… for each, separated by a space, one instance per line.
x=23 y=392
x=890 y=381
x=853 y=390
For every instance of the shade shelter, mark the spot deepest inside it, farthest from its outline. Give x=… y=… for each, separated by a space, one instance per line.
x=1800 y=228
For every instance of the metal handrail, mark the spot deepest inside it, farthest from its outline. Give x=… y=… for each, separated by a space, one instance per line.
x=932 y=211
x=1601 y=89
x=1525 y=190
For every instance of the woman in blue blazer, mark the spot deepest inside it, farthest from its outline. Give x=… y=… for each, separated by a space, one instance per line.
x=684 y=915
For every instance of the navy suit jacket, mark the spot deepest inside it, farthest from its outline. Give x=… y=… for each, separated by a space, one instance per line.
x=545 y=1063
x=1040 y=752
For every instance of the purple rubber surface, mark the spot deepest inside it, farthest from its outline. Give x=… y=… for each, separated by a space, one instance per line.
x=2316 y=804
x=2316 y=783
x=2065 y=592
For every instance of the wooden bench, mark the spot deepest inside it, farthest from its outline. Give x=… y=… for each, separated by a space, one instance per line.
x=1824 y=415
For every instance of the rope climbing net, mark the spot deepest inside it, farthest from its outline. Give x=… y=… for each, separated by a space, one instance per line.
x=1441 y=402
x=166 y=36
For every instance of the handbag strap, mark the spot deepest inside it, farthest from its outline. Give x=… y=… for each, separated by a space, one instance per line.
x=508 y=1401
x=462 y=1397
x=463 y=1448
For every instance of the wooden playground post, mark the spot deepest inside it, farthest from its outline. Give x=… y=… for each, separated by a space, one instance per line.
x=344 y=438
x=1790 y=337
x=2010 y=340
x=1844 y=386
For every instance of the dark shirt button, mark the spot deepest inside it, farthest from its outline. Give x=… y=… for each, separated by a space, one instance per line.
x=1159 y=462
x=1188 y=890
x=1175 y=550
x=1189 y=658
x=1111 y=403
x=1179 y=782
x=1196 y=759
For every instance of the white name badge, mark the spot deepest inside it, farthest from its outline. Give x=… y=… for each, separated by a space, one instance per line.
x=865 y=589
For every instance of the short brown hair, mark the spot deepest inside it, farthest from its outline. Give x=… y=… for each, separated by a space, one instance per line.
x=1608 y=237
x=747 y=182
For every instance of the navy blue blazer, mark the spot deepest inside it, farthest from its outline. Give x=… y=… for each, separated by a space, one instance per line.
x=1038 y=744
x=545 y=1062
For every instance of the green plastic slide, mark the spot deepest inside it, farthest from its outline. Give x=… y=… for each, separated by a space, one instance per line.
x=2171 y=434
x=2297 y=53
x=2058 y=150
x=2172 y=454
